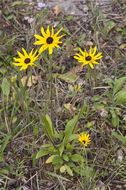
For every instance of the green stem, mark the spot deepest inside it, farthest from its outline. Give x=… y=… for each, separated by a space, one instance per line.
x=90 y=80
x=21 y=95
x=51 y=86
x=40 y=115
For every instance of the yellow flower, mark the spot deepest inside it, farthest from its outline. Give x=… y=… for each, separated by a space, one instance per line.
x=77 y=86
x=84 y=139
x=49 y=40
x=12 y=79
x=88 y=58
x=25 y=60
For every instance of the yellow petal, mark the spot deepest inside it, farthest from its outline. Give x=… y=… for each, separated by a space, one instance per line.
x=76 y=57
x=20 y=55
x=98 y=58
x=35 y=54
x=58 y=32
x=17 y=64
x=25 y=53
x=95 y=48
x=43 y=48
x=84 y=64
x=38 y=43
x=98 y=55
x=90 y=50
x=91 y=65
x=52 y=32
x=17 y=59
x=30 y=54
x=39 y=37
x=95 y=62
x=23 y=67
x=43 y=32
x=48 y=31
x=56 y=45
x=61 y=36
x=83 y=53
x=50 y=50
x=86 y=54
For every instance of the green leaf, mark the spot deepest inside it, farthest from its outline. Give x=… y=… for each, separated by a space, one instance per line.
x=121 y=97
x=7 y=138
x=50 y=159
x=5 y=87
x=68 y=77
x=15 y=3
x=35 y=130
x=118 y=84
x=77 y=158
x=63 y=169
x=73 y=137
x=48 y=124
x=69 y=129
x=57 y=160
x=68 y=147
x=60 y=135
x=110 y=82
x=117 y=53
x=90 y=124
x=65 y=157
x=3 y=70
x=96 y=98
x=61 y=149
x=69 y=171
x=108 y=27
x=65 y=30
x=109 y=94
x=119 y=137
x=85 y=171
x=82 y=37
x=42 y=153
x=115 y=118
x=4 y=171
x=88 y=172
x=69 y=18
x=48 y=146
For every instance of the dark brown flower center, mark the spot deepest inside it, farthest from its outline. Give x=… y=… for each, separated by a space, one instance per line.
x=27 y=60
x=88 y=58
x=49 y=40
x=84 y=141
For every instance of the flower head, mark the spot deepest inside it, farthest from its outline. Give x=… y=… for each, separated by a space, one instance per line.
x=84 y=139
x=25 y=60
x=12 y=79
x=48 y=40
x=88 y=58
x=77 y=87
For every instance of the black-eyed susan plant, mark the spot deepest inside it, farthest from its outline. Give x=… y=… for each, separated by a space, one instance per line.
x=84 y=139
x=48 y=40
x=88 y=58
x=62 y=145
x=26 y=60
x=63 y=155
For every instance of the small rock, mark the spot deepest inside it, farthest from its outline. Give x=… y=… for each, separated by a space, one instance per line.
x=104 y=113
x=85 y=8
x=41 y=5
x=100 y=186
x=119 y=155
